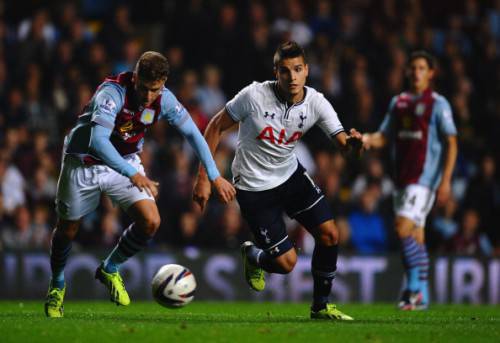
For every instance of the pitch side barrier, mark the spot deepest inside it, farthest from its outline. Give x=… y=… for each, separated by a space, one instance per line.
x=366 y=279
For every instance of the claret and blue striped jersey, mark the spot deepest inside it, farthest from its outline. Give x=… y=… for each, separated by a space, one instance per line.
x=113 y=126
x=112 y=106
x=418 y=127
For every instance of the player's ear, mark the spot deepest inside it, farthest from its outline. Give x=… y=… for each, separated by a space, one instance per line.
x=306 y=69
x=275 y=71
x=432 y=72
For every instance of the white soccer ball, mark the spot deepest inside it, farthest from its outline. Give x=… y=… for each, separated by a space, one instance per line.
x=173 y=286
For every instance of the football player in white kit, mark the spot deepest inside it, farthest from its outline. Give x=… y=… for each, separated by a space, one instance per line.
x=269 y=180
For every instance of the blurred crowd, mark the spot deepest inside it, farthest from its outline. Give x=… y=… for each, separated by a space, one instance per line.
x=53 y=54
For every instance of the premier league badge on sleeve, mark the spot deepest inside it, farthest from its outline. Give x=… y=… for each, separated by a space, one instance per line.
x=147 y=116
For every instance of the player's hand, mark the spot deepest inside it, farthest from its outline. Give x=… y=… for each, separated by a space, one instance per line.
x=443 y=193
x=355 y=141
x=201 y=192
x=365 y=138
x=225 y=190
x=145 y=184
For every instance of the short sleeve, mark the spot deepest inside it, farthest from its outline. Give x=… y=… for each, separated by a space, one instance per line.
x=387 y=125
x=240 y=106
x=108 y=101
x=328 y=120
x=172 y=110
x=444 y=118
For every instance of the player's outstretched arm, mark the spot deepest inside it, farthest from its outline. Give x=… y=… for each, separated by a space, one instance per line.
x=225 y=189
x=202 y=188
x=444 y=189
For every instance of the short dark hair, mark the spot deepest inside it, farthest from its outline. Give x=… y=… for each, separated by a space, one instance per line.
x=152 y=66
x=286 y=50
x=431 y=61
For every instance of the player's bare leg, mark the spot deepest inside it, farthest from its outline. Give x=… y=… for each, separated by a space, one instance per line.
x=135 y=238
x=62 y=238
x=411 y=296
x=324 y=266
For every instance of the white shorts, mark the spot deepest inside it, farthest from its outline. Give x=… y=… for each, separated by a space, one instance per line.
x=79 y=187
x=414 y=202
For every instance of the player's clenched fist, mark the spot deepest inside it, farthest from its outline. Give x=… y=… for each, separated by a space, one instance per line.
x=355 y=139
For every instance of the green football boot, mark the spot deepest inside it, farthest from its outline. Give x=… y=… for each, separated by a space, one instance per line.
x=330 y=312
x=253 y=274
x=114 y=283
x=54 y=302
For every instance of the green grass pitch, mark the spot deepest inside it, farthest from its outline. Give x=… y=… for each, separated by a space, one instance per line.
x=99 y=322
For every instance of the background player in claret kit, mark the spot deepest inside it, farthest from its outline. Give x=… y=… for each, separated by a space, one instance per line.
x=100 y=156
x=419 y=125
x=272 y=116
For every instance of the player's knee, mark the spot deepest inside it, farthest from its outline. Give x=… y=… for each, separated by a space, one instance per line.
x=329 y=238
x=402 y=232
x=68 y=229
x=151 y=223
x=328 y=235
x=69 y=233
x=403 y=227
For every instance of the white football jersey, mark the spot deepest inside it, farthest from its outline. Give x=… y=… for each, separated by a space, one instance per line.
x=269 y=131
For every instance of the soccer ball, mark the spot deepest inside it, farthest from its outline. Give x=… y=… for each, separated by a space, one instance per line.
x=173 y=286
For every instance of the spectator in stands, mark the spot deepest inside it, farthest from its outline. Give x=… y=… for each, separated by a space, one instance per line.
x=20 y=234
x=52 y=58
x=12 y=184
x=368 y=230
x=469 y=240
x=210 y=95
x=483 y=194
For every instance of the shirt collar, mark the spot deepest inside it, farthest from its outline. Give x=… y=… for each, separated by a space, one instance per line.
x=274 y=86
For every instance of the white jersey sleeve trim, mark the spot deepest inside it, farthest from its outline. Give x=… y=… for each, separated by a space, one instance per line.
x=233 y=117
x=333 y=134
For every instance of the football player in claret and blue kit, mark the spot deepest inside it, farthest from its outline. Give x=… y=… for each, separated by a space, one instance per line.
x=419 y=127
x=270 y=181
x=101 y=156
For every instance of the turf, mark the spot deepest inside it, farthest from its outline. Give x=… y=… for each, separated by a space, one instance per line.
x=100 y=322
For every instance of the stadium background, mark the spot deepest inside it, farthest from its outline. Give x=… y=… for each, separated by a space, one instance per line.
x=53 y=54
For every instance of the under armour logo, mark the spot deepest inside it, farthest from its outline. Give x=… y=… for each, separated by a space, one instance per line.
x=302 y=118
x=267 y=114
x=274 y=251
x=264 y=233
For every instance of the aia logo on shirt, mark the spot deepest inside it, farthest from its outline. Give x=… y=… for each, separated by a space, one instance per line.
x=268 y=134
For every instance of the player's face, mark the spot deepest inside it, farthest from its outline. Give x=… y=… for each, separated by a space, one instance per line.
x=148 y=91
x=420 y=74
x=292 y=74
